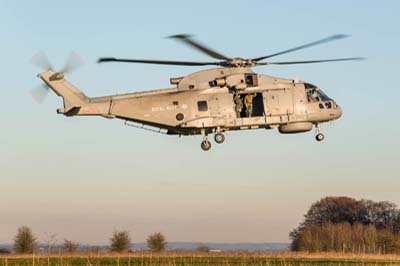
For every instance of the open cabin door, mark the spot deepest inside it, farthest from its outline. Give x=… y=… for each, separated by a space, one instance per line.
x=278 y=102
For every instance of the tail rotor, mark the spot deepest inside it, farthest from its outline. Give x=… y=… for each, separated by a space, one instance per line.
x=73 y=62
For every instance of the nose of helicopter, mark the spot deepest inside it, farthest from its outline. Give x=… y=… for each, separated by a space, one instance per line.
x=338 y=112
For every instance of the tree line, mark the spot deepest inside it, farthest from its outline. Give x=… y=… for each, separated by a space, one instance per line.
x=120 y=241
x=343 y=224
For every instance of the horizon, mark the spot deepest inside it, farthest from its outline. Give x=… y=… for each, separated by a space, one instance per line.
x=174 y=246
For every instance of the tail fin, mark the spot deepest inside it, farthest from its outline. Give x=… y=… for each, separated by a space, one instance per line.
x=73 y=98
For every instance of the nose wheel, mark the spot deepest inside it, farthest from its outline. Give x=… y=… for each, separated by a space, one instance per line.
x=319 y=137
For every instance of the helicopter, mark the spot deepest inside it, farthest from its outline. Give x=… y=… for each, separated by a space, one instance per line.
x=214 y=101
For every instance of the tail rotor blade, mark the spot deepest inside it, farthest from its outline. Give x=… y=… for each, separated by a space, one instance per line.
x=40 y=60
x=74 y=61
x=39 y=93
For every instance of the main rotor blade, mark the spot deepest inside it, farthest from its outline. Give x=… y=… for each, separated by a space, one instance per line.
x=325 y=40
x=189 y=41
x=310 y=61
x=159 y=62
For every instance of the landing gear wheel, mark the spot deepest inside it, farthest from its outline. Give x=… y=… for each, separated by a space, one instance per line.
x=206 y=145
x=219 y=138
x=319 y=137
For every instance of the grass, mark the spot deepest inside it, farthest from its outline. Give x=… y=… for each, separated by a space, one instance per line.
x=194 y=259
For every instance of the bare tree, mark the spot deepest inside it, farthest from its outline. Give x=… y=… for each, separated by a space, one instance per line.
x=70 y=246
x=345 y=224
x=51 y=241
x=370 y=238
x=334 y=210
x=357 y=237
x=95 y=249
x=156 y=242
x=25 y=241
x=120 y=241
x=203 y=248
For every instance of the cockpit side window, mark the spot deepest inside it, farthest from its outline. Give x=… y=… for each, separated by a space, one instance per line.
x=310 y=92
x=312 y=97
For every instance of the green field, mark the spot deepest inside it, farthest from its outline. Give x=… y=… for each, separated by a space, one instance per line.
x=193 y=260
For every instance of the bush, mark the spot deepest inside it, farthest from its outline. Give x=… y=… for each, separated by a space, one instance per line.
x=25 y=241
x=4 y=251
x=120 y=241
x=156 y=242
x=70 y=246
x=203 y=249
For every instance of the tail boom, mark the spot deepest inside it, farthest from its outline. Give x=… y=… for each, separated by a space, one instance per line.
x=75 y=101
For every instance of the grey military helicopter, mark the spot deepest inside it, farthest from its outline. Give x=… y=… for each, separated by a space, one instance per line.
x=212 y=101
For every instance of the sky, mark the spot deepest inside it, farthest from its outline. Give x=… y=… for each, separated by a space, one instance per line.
x=82 y=178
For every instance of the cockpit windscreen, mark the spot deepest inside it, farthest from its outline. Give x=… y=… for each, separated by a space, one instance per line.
x=315 y=94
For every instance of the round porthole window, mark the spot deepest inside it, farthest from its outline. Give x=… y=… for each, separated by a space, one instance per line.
x=180 y=117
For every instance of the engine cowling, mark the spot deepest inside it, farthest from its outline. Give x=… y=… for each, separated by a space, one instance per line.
x=295 y=128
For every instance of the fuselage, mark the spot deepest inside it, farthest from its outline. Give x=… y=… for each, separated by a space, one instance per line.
x=207 y=102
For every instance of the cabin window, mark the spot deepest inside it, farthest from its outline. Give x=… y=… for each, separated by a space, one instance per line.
x=180 y=117
x=251 y=80
x=321 y=106
x=175 y=103
x=202 y=105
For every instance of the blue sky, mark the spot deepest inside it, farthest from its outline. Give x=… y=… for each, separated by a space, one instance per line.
x=83 y=177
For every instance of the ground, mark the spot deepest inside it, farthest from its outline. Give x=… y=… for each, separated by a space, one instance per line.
x=174 y=259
